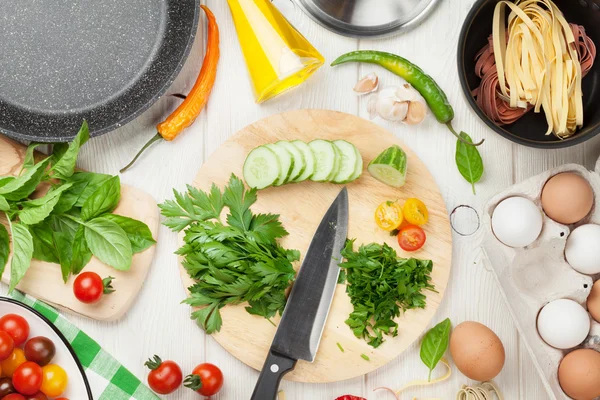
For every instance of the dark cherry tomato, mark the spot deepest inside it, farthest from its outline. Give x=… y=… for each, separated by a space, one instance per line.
x=206 y=379
x=14 y=396
x=37 y=396
x=411 y=238
x=16 y=326
x=7 y=345
x=89 y=287
x=40 y=350
x=6 y=387
x=165 y=376
x=27 y=379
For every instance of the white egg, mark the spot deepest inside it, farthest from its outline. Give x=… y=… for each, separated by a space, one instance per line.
x=563 y=324
x=583 y=249
x=517 y=221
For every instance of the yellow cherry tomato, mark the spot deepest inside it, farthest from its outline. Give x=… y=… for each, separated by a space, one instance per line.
x=388 y=215
x=415 y=212
x=54 y=380
x=14 y=361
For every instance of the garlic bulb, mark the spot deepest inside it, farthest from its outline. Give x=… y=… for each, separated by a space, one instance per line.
x=366 y=85
x=402 y=103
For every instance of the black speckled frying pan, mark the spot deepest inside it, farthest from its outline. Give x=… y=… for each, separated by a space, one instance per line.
x=106 y=61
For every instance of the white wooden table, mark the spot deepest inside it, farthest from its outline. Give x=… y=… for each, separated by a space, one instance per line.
x=158 y=324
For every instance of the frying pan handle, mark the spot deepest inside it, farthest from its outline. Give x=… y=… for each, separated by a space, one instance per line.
x=275 y=367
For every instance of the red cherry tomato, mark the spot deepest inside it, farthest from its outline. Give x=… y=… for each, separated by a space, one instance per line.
x=206 y=379
x=27 y=379
x=411 y=238
x=16 y=326
x=350 y=397
x=89 y=287
x=37 y=396
x=165 y=376
x=7 y=345
x=14 y=396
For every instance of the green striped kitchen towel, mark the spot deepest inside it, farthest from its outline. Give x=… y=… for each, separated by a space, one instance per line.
x=109 y=380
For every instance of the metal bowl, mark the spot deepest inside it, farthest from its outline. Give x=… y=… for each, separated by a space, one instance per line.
x=530 y=129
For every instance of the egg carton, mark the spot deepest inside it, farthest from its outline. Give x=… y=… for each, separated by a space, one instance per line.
x=535 y=275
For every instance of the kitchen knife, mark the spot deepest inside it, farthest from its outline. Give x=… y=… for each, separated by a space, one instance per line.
x=303 y=320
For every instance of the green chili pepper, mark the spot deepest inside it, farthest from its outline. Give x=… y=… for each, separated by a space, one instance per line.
x=434 y=95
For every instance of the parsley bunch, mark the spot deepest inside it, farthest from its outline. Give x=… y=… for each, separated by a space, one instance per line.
x=380 y=285
x=231 y=263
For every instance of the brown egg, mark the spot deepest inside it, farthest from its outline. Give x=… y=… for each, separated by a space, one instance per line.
x=567 y=198
x=579 y=374
x=593 y=301
x=477 y=352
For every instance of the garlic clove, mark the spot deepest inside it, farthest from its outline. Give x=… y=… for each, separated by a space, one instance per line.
x=416 y=113
x=407 y=93
x=391 y=110
x=372 y=106
x=368 y=84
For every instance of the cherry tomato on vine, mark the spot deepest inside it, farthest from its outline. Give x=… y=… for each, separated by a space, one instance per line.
x=54 y=380
x=14 y=396
x=27 y=379
x=37 y=396
x=10 y=365
x=165 y=376
x=40 y=350
x=89 y=287
x=6 y=387
x=411 y=238
x=16 y=326
x=415 y=212
x=7 y=345
x=206 y=379
x=388 y=215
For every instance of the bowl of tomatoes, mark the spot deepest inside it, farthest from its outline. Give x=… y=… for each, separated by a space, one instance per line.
x=36 y=360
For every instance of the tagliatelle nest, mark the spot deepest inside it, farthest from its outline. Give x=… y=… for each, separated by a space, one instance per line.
x=485 y=391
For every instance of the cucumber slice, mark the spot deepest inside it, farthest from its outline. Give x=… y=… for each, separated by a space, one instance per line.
x=326 y=160
x=358 y=167
x=286 y=162
x=338 y=161
x=347 y=161
x=309 y=160
x=261 y=168
x=390 y=167
x=299 y=164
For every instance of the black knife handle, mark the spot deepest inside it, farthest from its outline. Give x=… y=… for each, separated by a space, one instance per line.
x=276 y=366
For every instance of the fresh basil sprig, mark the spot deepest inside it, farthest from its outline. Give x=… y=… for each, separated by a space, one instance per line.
x=468 y=161
x=72 y=221
x=435 y=344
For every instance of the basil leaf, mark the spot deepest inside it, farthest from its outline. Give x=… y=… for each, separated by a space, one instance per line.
x=105 y=199
x=4 y=181
x=435 y=344
x=81 y=254
x=4 y=206
x=64 y=224
x=468 y=161
x=64 y=164
x=35 y=211
x=109 y=242
x=43 y=243
x=29 y=160
x=22 y=254
x=64 y=247
x=22 y=186
x=138 y=233
x=4 y=248
x=83 y=184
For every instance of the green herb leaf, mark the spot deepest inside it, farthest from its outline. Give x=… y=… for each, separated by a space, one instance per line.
x=64 y=163
x=4 y=206
x=35 y=211
x=29 y=160
x=4 y=248
x=81 y=254
x=209 y=318
x=434 y=344
x=94 y=181
x=468 y=161
x=64 y=247
x=43 y=243
x=22 y=253
x=109 y=243
x=104 y=199
x=22 y=186
x=138 y=233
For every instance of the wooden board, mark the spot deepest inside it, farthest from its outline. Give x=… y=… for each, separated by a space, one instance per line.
x=301 y=207
x=44 y=281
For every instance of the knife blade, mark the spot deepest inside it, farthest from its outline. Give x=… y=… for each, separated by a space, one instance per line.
x=301 y=327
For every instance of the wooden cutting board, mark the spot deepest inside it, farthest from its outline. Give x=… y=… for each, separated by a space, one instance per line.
x=301 y=207
x=44 y=281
